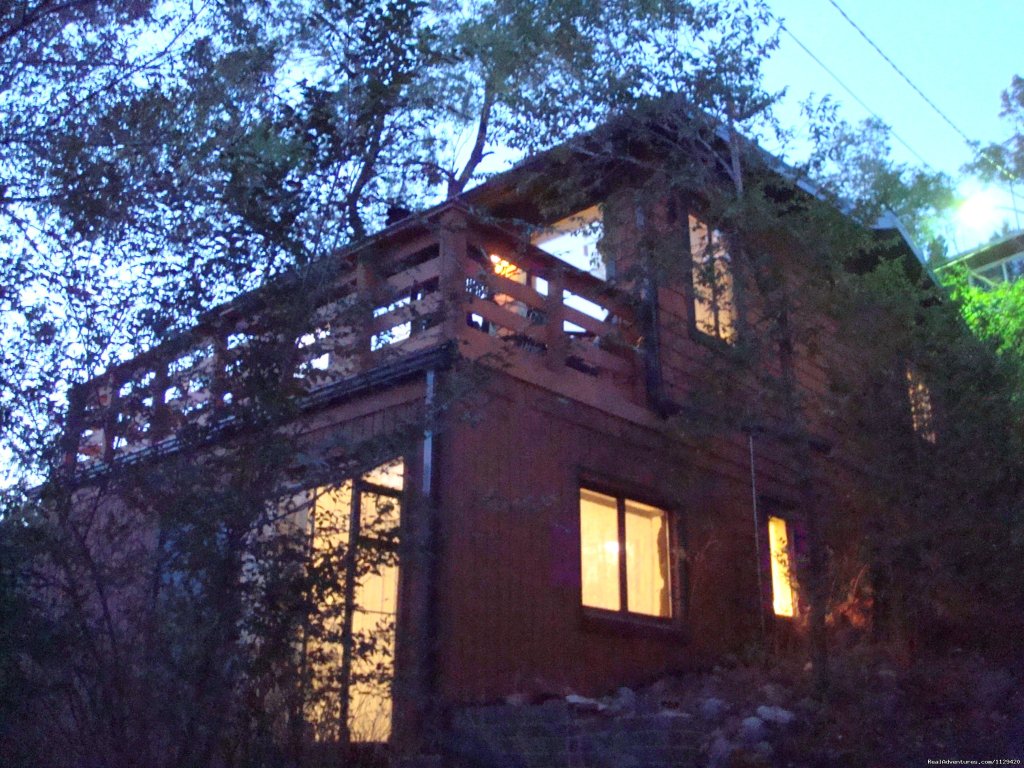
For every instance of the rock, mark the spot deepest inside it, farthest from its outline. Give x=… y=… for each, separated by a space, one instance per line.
x=776 y=715
x=517 y=699
x=720 y=751
x=623 y=702
x=991 y=687
x=748 y=758
x=712 y=708
x=674 y=713
x=752 y=730
x=808 y=705
x=584 y=703
x=775 y=694
x=617 y=760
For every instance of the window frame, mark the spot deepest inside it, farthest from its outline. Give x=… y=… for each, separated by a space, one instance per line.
x=769 y=509
x=697 y=333
x=358 y=536
x=624 y=620
x=921 y=405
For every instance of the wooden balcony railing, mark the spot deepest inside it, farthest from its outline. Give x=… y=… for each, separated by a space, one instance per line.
x=502 y=302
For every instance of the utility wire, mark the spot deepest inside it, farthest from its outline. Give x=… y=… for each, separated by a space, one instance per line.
x=856 y=98
x=970 y=143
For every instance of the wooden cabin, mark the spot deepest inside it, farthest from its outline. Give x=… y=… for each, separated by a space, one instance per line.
x=565 y=523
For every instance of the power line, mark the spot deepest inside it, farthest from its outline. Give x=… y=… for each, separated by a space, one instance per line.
x=856 y=98
x=970 y=143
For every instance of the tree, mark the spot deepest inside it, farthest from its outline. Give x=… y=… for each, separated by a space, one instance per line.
x=195 y=155
x=257 y=142
x=1005 y=162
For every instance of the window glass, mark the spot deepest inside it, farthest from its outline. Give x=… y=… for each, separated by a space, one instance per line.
x=624 y=545
x=599 y=550
x=647 y=571
x=993 y=273
x=714 y=311
x=361 y=617
x=387 y=475
x=1015 y=268
x=920 y=398
x=783 y=582
x=574 y=240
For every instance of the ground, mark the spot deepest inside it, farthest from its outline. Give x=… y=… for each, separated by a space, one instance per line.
x=883 y=708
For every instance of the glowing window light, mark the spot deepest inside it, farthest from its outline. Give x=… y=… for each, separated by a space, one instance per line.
x=713 y=295
x=506 y=268
x=599 y=551
x=624 y=556
x=920 y=406
x=783 y=583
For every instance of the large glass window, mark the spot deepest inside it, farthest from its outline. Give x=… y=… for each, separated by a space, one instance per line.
x=714 y=308
x=624 y=556
x=350 y=646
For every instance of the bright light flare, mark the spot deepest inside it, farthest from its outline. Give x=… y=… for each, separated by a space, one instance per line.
x=984 y=210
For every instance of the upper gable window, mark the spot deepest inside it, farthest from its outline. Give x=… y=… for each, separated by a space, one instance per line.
x=574 y=240
x=714 y=309
x=920 y=398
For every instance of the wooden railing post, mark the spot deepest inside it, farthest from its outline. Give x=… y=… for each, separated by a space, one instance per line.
x=555 y=337
x=113 y=384
x=73 y=427
x=160 y=419
x=219 y=385
x=366 y=286
x=452 y=282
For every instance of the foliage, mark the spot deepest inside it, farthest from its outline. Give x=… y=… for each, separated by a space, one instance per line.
x=1005 y=162
x=854 y=163
x=193 y=154
x=994 y=313
x=161 y=159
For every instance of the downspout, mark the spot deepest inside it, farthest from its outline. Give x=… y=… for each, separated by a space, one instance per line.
x=653 y=377
x=757 y=534
x=426 y=483
x=431 y=722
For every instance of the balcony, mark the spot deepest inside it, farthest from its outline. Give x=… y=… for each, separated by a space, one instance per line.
x=447 y=280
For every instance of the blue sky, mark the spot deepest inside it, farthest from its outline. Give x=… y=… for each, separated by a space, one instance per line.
x=961 y=55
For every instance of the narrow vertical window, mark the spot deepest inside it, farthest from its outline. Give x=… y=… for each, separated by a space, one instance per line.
x=624 y=556
x=714 y=310
x=784 y=590
x=920 y=398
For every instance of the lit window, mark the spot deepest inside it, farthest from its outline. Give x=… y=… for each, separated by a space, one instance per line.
x=354 y=533
x=784 y=589
x=714 y=310
x=506 y=268
x=920 y=398
x=575 y=239
x=624 y=556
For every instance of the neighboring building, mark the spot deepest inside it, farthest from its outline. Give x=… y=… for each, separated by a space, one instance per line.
x=1000 y=261
x=569 y=535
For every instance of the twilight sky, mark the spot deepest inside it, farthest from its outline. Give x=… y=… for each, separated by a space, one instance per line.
x=960 y=54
